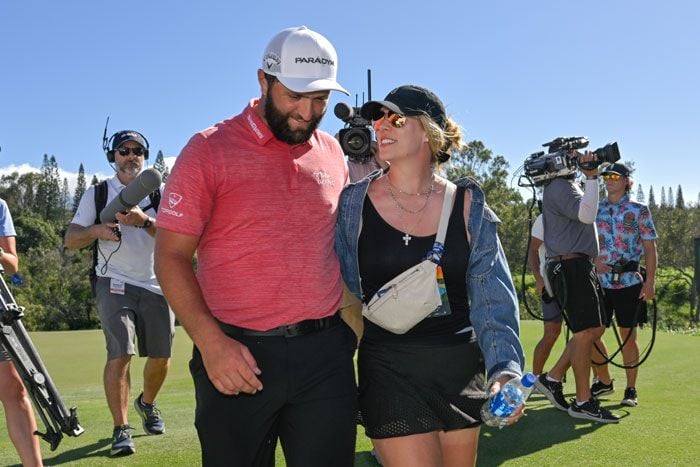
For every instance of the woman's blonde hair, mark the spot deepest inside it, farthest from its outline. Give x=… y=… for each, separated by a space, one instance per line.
x=442 y=141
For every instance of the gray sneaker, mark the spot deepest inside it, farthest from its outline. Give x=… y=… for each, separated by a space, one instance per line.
x=122 y=444
x=150 y=416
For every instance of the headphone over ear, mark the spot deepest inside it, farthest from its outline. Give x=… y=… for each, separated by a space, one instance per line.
x=117 y=139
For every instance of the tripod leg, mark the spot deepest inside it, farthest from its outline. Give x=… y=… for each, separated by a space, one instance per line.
x=34 y=374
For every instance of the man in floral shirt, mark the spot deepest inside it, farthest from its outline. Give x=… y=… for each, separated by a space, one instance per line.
x=625 y=233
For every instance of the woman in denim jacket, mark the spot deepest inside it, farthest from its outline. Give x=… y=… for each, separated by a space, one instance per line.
x=420 y=392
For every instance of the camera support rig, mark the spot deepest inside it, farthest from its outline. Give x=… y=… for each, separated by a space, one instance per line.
x=37 y=381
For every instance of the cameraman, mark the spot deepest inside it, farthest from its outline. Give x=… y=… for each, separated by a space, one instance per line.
x=571 y=242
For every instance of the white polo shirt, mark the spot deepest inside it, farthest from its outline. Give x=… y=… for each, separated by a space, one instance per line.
x=130 y=260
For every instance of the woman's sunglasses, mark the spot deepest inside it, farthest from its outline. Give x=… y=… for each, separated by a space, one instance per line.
x=124 y=151
x=396 y=120
x=612 y=176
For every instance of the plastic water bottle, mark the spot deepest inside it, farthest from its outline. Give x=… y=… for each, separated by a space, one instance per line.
x=512 y=396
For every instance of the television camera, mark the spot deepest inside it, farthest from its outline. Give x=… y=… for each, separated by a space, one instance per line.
x=356 y=138
x=562 y=159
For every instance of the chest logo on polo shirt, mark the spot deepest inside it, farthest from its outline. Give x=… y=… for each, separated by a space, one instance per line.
x=322 y=178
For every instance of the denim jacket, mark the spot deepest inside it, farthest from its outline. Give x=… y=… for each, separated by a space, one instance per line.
x=492 y=298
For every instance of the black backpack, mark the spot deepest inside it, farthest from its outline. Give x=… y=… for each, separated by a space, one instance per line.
x=100 y=203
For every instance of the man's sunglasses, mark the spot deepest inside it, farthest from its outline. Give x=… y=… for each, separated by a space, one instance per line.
x=612 y=176
x=396 y=120
x=124 y=151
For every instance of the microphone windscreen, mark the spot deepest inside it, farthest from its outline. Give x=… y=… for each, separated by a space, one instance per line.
x=343 y=111
x=144 y=184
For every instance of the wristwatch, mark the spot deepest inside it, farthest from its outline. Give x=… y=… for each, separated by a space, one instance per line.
x=147 y=224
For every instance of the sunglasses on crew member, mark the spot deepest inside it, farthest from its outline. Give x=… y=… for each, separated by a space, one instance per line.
x=124 y=151
x=612 y=176
x=396 y=120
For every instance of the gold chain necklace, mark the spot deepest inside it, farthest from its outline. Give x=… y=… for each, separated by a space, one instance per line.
x=412 y=194
x=407 y=232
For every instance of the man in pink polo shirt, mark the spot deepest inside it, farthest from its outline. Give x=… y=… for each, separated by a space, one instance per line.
x=256 y=197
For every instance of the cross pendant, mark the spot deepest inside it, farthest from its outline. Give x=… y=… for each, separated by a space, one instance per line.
x=406 y=238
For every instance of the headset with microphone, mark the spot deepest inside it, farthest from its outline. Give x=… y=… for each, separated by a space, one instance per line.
x=122 y=137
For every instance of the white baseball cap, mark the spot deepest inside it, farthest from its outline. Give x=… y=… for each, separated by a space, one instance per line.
x=303 y=60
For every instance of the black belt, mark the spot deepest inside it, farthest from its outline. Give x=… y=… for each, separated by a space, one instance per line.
x=571 y=256
x=630 y=266
x=308 y=326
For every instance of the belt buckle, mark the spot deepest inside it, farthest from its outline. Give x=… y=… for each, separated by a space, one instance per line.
x=293 y=330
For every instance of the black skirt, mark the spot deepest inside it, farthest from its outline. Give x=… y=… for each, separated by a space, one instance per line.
x=409 y=388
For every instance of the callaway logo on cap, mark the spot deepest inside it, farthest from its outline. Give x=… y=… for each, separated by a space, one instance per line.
x=302 y=60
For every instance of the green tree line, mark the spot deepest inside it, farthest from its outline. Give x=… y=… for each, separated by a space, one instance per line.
x=53 y=282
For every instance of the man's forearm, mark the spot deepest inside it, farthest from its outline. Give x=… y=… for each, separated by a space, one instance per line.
x=78 y=236
x=650 y=260
x=181 y=290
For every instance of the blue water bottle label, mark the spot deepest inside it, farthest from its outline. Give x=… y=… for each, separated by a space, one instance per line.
x=499 y=407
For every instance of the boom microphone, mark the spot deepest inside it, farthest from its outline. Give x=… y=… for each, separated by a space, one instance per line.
x=147 y=181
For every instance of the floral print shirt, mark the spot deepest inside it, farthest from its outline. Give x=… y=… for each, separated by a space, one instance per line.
x=621 y=228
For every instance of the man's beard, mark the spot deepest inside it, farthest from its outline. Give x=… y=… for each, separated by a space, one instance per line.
x=129 y=169
x=279 y=124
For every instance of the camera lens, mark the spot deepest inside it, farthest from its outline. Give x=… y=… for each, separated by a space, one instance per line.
x=609 y=153
x=355 y=141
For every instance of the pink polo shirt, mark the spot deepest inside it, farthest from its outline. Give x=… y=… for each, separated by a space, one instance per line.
x=265 y=213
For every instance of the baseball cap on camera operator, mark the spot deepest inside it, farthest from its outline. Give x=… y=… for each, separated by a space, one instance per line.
x=302 y=60
x=617 y=168
x=122 y=137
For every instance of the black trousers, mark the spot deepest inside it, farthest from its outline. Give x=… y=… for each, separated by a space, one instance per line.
x=309 y=403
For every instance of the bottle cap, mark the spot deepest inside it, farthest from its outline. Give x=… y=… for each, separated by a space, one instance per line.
x=528 y=380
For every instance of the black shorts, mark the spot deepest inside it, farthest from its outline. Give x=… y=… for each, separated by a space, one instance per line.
x=576 y=288
x=309 y=403
x=625 y=305
x=411 y=388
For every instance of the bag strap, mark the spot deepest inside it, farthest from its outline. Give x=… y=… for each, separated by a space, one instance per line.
x=435 y=254
x=450 y=190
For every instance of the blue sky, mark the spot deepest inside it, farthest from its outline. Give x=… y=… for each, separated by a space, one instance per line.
x=514 y=74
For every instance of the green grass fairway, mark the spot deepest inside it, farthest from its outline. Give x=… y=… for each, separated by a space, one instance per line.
x=662 y=431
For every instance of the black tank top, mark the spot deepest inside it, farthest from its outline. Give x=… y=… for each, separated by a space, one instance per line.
x=383 y=255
